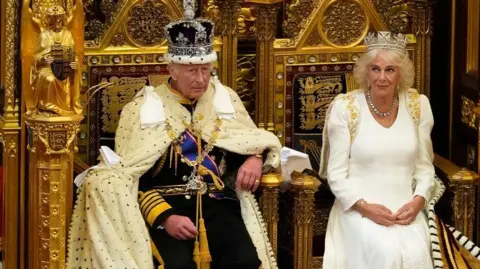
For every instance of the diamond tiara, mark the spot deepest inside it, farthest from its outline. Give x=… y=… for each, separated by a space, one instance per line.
x=386 y=40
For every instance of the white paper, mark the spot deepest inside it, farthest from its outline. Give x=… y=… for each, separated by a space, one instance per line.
x=109 y=157
x=293 y=160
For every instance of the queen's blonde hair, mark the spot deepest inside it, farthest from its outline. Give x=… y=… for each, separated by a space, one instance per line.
x=405 y=65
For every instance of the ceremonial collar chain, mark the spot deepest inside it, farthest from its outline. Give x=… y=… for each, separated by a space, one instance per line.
x=177 y=141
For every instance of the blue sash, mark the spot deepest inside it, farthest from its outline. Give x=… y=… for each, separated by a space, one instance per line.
x=190 y=152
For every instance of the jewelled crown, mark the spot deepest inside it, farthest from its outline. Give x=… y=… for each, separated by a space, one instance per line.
x=55 y=10
x=386 y=40
x=190 y=40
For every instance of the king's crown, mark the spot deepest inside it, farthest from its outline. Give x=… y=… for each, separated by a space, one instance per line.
x=386 y=40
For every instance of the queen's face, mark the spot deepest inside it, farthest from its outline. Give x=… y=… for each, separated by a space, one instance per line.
x=383 y=75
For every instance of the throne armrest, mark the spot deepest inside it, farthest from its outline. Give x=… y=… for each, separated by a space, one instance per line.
x=270 y=186
x=303 y=186
x=459 y=201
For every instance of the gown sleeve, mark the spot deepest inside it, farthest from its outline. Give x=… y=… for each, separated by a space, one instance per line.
x=339 y=155
x=424 y=172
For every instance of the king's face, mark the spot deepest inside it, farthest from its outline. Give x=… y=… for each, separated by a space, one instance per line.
x=191 y=80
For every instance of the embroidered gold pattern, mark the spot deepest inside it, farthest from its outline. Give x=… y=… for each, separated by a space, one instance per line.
x=414 y=105
x=181 y=190
x=160 y=165
x=353 y=109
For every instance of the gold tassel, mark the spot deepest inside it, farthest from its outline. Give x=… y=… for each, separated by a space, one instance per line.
x=203 y=171
x=196 y=254
x=205 y=257
x=199 y=144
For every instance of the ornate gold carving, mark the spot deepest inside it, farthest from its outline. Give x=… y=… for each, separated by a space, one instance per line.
x=228 y=16
x=265 y=31
x=247 y=81
x=396 y=14
x=11 y=36
x=464 y=207
x=266 y=22
x=399 y=22
x=100 y=18
x=303 y=217
x=468 y=115
x=51 y=146
x=296 y=14
x=316 y=93
x=269 y=205
x=52 y=82
x=40 y=7
x=146 y=21
x=10 y=146
x=304 y=188
x=422 y=18
x=116 y=97
x=139 y=59
x=93 y=29
x=246 y=21
x=56 y=137
x=57 y=140
x=228 y=31
x=118 y=40
x=317 y=263
x=344 y=23
x=212 y=12
x=11 y=190
x=10 y=137
x=314 y=39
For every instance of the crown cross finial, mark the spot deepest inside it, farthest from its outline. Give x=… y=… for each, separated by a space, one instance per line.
x=386 y=40
x=189 y=9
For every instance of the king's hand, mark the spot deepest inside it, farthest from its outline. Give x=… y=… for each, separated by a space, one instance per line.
x=180 y=227
x=248 y=177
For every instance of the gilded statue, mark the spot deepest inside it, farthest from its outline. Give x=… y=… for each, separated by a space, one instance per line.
x=51 y=61
x=55 y=78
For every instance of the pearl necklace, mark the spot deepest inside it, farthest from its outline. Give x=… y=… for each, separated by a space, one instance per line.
x=380 y=114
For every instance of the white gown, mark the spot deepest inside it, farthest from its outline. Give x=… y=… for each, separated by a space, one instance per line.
x=379 y=166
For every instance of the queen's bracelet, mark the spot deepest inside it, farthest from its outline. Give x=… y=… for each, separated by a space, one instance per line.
x=361 y=208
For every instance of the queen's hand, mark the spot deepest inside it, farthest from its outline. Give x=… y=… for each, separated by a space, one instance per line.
x=376 y=213
x=407 y=213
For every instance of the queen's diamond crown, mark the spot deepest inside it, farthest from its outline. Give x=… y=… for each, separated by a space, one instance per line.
x=386 y=40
